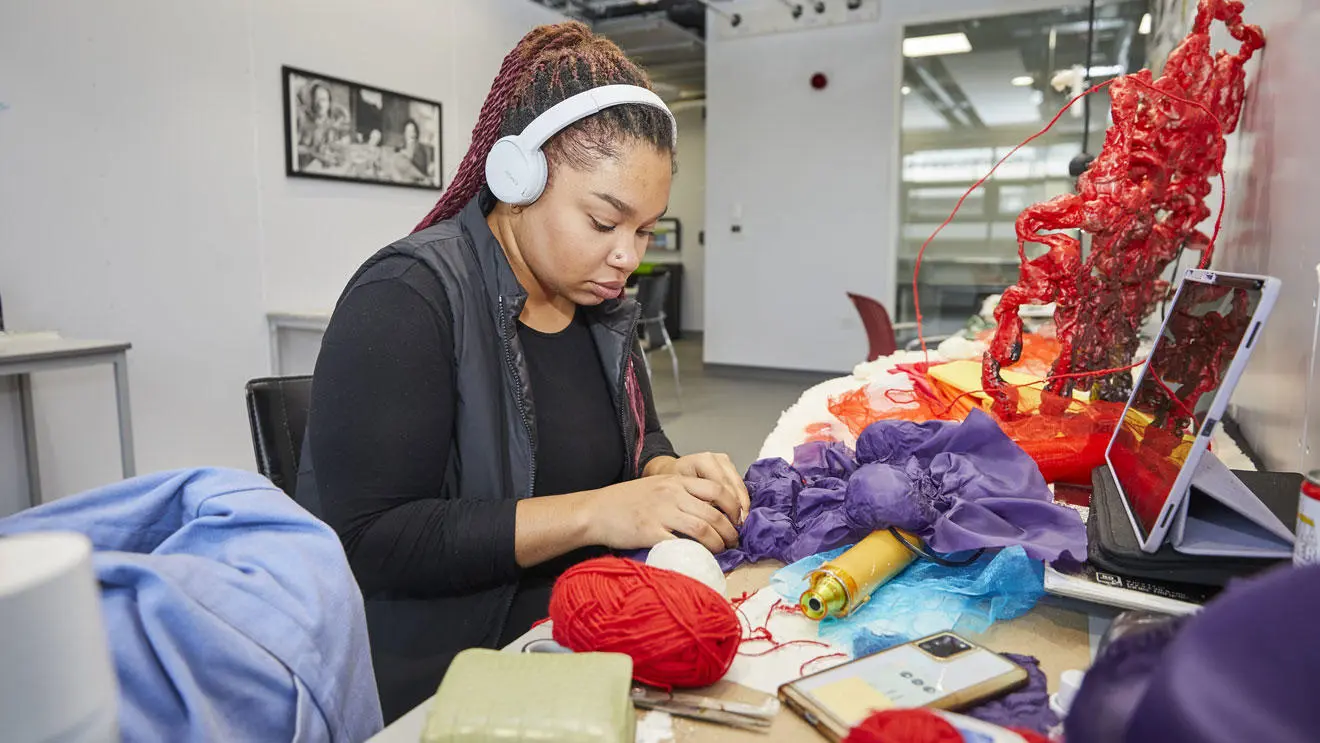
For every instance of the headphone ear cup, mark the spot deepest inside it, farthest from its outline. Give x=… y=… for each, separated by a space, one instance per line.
x=505 y=170
x=514 y=175
x=538 y=172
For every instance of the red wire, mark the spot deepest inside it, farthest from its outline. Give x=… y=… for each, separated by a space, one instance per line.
x=916 y=293
x=1182 y=404
x=1074 y=375
x=1205 y=255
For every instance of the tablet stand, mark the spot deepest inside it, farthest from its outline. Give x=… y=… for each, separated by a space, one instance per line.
x=1221 y=516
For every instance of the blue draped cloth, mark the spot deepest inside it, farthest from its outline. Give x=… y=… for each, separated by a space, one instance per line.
x=231 y=612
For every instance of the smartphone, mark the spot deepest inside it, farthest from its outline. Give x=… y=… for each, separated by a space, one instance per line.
x=942 y=671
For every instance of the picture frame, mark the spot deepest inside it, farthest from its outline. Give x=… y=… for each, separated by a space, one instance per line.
x=667 y=236
x=335 y=129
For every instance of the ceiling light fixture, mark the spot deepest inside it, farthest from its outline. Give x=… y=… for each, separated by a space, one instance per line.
x=905 y=89
x=929 y=46
x=1144 y=28
x=1022 y=81
x=1107 y=70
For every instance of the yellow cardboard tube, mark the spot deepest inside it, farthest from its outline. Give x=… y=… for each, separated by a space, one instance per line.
x=843 y=584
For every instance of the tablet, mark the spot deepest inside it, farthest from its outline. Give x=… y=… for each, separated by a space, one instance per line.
x=1182 y=392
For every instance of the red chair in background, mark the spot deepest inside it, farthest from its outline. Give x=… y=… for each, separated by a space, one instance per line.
x=879 y=328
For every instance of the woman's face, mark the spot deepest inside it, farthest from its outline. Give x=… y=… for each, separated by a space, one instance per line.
x=590 y=228
x=410 y=134
x=321 y=100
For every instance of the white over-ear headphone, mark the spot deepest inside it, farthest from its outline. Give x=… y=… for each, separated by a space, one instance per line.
x=516 y=170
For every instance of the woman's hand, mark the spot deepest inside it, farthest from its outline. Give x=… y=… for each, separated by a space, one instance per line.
x=642 y=513
x=716 y=468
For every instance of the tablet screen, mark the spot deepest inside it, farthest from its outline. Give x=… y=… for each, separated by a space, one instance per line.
x=1188 y=365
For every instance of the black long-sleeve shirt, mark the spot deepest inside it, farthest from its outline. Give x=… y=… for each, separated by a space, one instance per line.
x=384 y=406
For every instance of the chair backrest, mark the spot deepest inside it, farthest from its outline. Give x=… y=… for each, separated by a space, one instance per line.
x=652 y=293
x=277 y=412
x=879 y=329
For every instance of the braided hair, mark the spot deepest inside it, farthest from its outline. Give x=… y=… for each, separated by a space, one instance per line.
x=551 y=64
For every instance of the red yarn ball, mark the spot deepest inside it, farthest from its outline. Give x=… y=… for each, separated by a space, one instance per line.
x=904 y=726
x=678 y=631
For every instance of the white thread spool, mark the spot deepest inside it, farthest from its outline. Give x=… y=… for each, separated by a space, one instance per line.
x=57 y=683
x=690 y=558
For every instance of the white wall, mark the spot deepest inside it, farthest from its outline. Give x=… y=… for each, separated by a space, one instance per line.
x=317 y=233
x=815 y=176
x=687 y=202
x=143 y=198
x=1273 y=168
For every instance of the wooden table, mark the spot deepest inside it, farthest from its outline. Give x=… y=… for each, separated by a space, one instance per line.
x=1056 y=634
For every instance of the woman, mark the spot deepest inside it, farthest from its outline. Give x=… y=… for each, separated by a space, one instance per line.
x=322 y=126
x=414 y=152
x=478 y=420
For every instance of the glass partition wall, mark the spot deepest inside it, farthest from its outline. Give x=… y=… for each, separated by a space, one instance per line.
x=972 y=90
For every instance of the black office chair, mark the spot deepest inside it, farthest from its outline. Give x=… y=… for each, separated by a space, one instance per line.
x=652 y=293
x=277 y=411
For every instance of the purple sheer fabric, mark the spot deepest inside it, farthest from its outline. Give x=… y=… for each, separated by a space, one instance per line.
x=959 y=486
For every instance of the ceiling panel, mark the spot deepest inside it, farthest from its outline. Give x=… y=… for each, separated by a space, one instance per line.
x=985 y=78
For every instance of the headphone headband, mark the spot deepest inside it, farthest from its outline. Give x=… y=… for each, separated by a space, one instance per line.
x=577 y=107
x=516 y=169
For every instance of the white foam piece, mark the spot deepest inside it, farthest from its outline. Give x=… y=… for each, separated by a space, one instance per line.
x=691 y=558
x=58 y=684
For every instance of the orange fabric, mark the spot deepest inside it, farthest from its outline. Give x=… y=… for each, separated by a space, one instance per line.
x=1066 y=438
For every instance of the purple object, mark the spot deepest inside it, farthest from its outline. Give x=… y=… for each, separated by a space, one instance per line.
x=1115 y=684
x=1246 y=668
x=959 y=486
x=1027 y=708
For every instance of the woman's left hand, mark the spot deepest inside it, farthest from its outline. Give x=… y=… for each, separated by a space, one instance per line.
x=708 y=466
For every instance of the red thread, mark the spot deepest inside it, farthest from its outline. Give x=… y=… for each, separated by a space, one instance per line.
x=910 y=400
x=915 y=725
x=762 y=633
x=777 y=646
x=802 y=669
x=678 y=631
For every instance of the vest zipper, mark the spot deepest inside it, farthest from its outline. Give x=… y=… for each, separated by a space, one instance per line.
x=518 y=397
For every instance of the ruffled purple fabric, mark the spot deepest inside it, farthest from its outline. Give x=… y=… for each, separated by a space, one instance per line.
x=959 y=486
x=1027 y=708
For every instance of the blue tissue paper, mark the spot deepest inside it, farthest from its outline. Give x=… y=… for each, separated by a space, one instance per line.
x=926 y=598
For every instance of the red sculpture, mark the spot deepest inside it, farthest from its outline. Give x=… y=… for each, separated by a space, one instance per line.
x=1141 y=201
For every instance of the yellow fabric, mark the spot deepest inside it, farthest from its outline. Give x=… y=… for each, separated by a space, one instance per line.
x=957 y=377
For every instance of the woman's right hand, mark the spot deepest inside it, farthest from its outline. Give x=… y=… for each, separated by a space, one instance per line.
x=644 y=512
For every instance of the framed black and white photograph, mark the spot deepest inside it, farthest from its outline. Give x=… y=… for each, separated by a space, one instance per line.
x=346 y=131
x=667 y=235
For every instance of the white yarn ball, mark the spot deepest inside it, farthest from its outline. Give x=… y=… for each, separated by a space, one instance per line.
x=690 y=558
